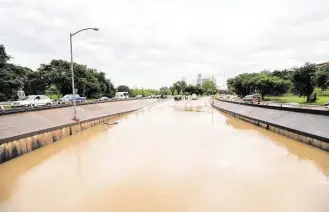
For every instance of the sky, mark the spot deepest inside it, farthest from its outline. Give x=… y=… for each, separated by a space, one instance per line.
x=153 y=43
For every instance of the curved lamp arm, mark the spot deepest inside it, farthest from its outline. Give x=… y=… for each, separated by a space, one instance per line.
x=95 y=29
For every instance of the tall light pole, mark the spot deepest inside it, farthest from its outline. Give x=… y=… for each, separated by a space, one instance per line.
x=72 y=72
x=224 y=76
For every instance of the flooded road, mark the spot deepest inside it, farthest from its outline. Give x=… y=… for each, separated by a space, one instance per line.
x=170 y=157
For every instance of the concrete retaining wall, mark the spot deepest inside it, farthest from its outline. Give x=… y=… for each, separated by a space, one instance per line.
x=22 y=146
x=40 y=134
x=302 y=136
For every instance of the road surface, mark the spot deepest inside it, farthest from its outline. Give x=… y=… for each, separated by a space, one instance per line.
x=170 y=157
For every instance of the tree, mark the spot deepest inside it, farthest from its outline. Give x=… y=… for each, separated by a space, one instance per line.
x=304 y=80
x=179 y=86
x=239 y=85
x=265 y=83
x=209 y=87
x=56 y=74
x=172 y=89
x=191 y=89
x=53 y=92
x=12 y=77
x=4 y=57
x=89 y=82
x=164 y=90
x=322 y=77
x=123 y=88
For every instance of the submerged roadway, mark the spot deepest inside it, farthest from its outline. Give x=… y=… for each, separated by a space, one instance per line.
x=170 y=157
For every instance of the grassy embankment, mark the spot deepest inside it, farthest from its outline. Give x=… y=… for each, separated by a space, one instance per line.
x=322 y=98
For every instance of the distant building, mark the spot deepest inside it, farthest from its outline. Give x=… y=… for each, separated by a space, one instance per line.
x=184 y=79
x=199 y=79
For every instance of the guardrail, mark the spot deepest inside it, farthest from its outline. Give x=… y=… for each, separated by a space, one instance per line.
x=54 y=106
x=322 y=111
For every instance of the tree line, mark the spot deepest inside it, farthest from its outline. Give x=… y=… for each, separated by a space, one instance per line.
x=181 y=88
x=300 y=81
x=137 y=91
x=53 y=78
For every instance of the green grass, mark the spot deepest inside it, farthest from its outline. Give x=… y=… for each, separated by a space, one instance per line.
x=7 y=107
x=321 y=93
x=321 y=100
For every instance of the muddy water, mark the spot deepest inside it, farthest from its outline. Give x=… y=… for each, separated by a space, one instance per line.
x=171 y=157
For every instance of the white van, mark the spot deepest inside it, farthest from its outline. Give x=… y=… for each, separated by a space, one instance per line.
x=121 y=95
x=194 y=97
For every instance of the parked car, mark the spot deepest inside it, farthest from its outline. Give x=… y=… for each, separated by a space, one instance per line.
x=69 y=99
x=254 y=98
x=194 y=97
x=178 y=98
x=32 y=101
x=103 y=99
x=139 y=96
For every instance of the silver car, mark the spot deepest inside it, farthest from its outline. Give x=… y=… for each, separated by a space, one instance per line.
x=33 y=101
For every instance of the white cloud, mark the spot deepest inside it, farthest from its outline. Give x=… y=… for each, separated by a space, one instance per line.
x=153 y=43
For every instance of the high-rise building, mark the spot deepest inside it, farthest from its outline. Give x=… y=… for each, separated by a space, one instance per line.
x=199 y=80
x=184 y=79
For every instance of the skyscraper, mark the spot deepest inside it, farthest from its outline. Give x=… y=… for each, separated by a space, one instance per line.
x=199 y=80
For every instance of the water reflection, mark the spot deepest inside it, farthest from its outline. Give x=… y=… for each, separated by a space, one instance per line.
x=304 y=151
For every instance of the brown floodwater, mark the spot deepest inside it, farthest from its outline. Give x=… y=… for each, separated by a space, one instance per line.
x=170 y=157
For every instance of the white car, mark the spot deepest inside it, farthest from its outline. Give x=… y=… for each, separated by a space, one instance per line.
x=194 y=97
x=32 y=101
x=103 y=99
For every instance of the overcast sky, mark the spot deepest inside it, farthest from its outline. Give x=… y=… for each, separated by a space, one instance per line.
x=150 y=43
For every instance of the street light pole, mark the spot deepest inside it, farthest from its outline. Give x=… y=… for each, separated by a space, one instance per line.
x=73 y=88
x=72 y=72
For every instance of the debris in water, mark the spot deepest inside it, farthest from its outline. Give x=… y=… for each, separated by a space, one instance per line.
x=111 y=123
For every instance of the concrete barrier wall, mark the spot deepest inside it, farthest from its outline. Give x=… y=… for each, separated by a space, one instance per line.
x=322 y=111
x=16 y=145
x=15 y=126
x=302 y=136
x=22 y=146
